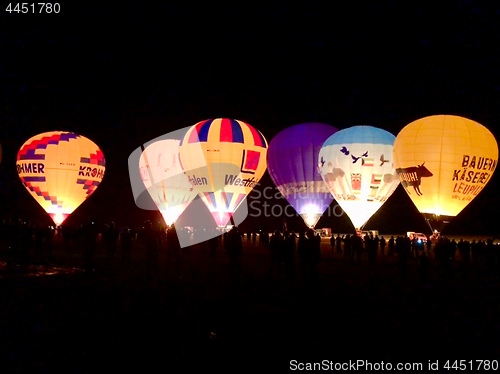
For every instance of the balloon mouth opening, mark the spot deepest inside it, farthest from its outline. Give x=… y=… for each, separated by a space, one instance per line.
x=311 y=219
x=171 y=214
x=58 y=217
x=221 y=218
x=311 y=214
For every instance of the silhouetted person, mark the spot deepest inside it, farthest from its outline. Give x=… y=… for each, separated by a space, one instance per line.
x=424 y=266
x=213 y=244
x=466 y=252
x=303 y=251
x=338 y=244
x=382 y=244
x=151 y=243
x=372 y=248
x=173 y=252
x=276 y=245
x=90 y=232
x=314 y=248
x=429 y=245
x=403 y=249
x=110 y=237
x=126 y=241
x=263 y=239
x=43 y=243
x=357 y=248
x=443 y=254
x=491 y=256
x=376 y=243
x=25 y=242
x=12 y=233
x=289 y=255
x=348 y=249
x=39 y=243
x=476 y=252
x=233 y=245
x=391 y=246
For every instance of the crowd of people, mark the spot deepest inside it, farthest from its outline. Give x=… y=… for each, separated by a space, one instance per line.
x=291 y=254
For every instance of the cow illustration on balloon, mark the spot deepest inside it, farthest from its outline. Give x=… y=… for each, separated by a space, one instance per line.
x=462 y=155
x=412 y=177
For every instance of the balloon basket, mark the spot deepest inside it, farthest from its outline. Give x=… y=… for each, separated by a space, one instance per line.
x=436 y=223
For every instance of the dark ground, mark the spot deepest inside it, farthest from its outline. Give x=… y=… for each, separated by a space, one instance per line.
x=117 y=319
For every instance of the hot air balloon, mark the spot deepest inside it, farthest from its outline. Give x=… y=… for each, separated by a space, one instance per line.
x=444 y=162
x=224 y=159
x=356 y=165
x=165 y=179
x=60 y=170
x=292 y=161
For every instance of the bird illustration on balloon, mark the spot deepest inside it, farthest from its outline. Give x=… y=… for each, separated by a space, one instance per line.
x=360 y=186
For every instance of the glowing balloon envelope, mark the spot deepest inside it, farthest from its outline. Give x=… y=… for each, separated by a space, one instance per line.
x=60 y=170
x=356 y=165
x=443 y=162
x=165 y=180
x=292 y=164
x=224 y=159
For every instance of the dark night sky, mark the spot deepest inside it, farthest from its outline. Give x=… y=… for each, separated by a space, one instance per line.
x=122 y=74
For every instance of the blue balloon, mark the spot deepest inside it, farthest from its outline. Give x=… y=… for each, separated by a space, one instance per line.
x=292 y=163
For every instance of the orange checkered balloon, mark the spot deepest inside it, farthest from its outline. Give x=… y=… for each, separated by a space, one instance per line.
x=60 y=170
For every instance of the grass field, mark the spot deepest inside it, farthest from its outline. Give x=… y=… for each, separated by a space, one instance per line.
x=206 y=317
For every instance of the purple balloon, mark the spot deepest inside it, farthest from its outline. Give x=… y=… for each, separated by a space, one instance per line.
x=292 y=163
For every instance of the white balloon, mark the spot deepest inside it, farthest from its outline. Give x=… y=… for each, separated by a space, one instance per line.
x=165 y=180
x=356 y=165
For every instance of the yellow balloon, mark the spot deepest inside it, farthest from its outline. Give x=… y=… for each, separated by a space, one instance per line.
x=224 y=159
x=444 y=162
x=60 y=170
